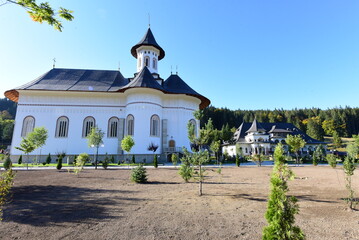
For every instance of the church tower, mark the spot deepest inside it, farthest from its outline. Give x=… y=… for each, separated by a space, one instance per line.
x=148 y=53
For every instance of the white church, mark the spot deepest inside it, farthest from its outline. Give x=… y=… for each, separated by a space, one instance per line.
x=69 y=102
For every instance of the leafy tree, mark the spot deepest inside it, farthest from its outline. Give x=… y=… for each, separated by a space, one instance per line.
x=352 y=151
x=281 y=208
x=27 y=147
x=139 y=174
x=38 y=136
x=6 y=182
x=43 y=12
x=127 y=143
x=295 y=142
x=174 y=159
x=95 y=139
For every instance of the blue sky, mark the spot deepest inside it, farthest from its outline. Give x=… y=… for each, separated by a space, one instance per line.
x=240 y=54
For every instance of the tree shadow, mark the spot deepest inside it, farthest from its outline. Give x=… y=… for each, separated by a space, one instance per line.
x=50 y=205
x=312 y=199
x=158 y=182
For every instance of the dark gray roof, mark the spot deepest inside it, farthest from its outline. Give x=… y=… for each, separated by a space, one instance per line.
x=244 y=127
x=143 y=79
x=148 y=40
x=59 y=79
x=255 y=127
x=275 y=129
x=175 y=84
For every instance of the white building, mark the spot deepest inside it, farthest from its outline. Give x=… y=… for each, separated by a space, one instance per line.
x=68 y=102
x=262 y=138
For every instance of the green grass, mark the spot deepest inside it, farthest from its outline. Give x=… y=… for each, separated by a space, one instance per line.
x=346 y=141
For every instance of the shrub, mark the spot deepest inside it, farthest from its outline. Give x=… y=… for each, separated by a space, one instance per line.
x=48 y=159
x=19 y=161
x=332 y=160
x=315 y=159
x=82 y=159
x=139 y=174
x=59 y=163
x=155 y=162
x=7 y=164
x=105 y=162
x=133 y=159
x=6 y=182
x=112 y=159
x=174 y=159
x=238 y=162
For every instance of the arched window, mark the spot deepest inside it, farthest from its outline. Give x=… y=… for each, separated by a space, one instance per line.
x=112 y=130
x=130 y=122
x=147 y=61
x=62 y=127
x=89 y=123
x=155 y=126
x=154 y=63
x=193 y=122
x=27 y=125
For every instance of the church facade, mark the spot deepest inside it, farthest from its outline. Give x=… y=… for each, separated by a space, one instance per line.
x=262 y=138
x=69 y=102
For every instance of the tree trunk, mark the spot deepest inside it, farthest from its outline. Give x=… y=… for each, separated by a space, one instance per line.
x=200 y=181
x=96 y=158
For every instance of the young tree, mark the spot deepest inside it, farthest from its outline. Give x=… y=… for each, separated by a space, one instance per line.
x=38 y=136
x=127 y=143
x=43 y=12
x=19 y=161
x=295 y=142
x=196 y=160
x=319 y=155
x=174 y=159
x=7 y=163
x=238 y=162
x=337 y=140
x=155 y=162
x=48 y=159
x=349 y=168
x=26 y=146
x=215 y=146
x=95 y=140
x=139 y=174
x=332 y=160
x=281 y=208
x=60 y=156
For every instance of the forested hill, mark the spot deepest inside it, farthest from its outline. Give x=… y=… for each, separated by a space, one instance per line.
x=7 y=107
x=314 y=121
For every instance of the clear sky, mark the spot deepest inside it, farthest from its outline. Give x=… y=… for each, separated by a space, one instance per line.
x=241 y=54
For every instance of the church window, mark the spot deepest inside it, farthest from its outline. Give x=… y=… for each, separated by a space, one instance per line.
x=154 y=63
x=147 y=61
x=130 y=122
x=62 y=127
x=112 y=127
x=193 y=122
x=27 y=125
x=89 y=123
x=155 y=126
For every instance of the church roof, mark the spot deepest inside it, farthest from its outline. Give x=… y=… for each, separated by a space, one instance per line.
x=275 y=129
x=148 y=40
x=63 y=79
x=256 y=127
x=143 y=79
x=175 y=84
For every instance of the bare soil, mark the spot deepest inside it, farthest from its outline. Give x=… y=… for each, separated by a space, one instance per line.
x=104 y=204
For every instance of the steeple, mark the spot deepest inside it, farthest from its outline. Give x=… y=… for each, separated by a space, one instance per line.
x=256 y=127
x=148 y=52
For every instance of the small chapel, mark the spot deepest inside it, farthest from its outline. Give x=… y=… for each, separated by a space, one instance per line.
x=69 y=102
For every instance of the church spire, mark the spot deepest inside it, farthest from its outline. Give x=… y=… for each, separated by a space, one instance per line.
x=148 y=52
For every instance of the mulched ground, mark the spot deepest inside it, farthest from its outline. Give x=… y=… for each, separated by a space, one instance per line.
x=104 y=204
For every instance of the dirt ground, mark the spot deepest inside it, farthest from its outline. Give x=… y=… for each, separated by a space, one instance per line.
x=104 y=204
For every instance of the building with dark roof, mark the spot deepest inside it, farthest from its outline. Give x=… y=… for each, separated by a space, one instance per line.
x=262 y=138
x=69 y=102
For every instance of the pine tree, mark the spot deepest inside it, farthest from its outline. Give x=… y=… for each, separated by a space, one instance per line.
x=155 y=162
x=281 y=208
x=19 y=161
x=7 y=163
x=139 y=174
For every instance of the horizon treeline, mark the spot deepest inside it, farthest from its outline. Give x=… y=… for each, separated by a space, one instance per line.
x=316 y=122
